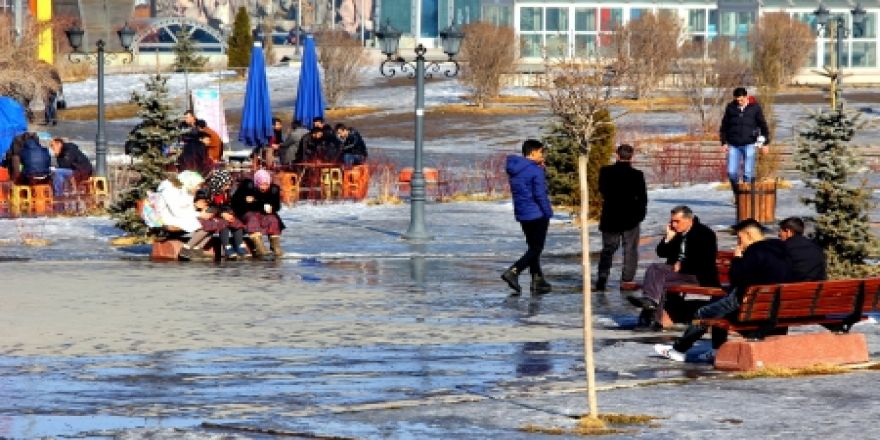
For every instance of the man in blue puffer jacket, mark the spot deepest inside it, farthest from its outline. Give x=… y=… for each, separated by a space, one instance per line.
x=531 y=207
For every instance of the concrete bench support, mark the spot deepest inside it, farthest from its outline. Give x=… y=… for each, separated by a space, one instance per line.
x=792 y=351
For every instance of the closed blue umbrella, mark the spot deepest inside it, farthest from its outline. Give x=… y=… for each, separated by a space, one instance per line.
x=256 y=117
x=309 y=98
x=12 y=122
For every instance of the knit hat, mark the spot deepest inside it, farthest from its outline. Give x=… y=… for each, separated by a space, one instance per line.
x=262 y=177
x=217 y=182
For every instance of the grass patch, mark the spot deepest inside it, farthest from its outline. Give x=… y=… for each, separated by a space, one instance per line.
x=478 y=197
x=129 y=240
x=779 y=372
x=588 y=425
x=658 y=104
x=349 y=112
x=90 y=112
x=514 y=99
x=465 y=109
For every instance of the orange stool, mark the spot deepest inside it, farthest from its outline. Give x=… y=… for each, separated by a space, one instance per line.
x=41 y=199
x=289 y=184
x=5 y=189
x=4 y=174
x=331 y=182
x=356 y=182
x=21 y=200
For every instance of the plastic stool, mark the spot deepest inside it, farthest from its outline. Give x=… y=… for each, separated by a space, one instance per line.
x=331 y=182
x=41 y=199
x=21 y=200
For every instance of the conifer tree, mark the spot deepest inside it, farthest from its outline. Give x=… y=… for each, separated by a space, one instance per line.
x=828 y=163
x=147 y=142
x=562 y=166
x=240 y=42
x=185 y=58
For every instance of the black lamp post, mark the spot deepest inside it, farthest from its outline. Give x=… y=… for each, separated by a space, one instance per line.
x=823 y=18
x=74 y=37
x=389 y=40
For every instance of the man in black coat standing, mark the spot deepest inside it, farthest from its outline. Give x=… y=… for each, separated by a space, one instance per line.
x=689 y=248
x=743 y=130
x=624 y=203
x=805 y=257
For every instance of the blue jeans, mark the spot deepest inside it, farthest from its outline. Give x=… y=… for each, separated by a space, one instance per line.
x=737 y=154
x=727 y=305
x=352 y=159
x=59 y=176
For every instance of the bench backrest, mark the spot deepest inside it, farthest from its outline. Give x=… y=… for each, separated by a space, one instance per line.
x=810 y=301
x=722 y=262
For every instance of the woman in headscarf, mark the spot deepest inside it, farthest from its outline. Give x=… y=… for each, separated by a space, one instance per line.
x=219 y=185
x=256 y=202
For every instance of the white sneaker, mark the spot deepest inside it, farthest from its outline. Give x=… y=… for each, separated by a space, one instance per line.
x=707 y=357
x=668 y=352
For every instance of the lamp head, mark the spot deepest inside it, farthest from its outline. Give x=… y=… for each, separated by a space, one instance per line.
x=389 y=39
x=451 y=39
x=126 y=36
x=75 y=37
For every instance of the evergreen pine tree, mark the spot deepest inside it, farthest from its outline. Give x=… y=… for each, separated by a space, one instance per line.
x=240 y=42
x=185 y=54
x=828 y=165
x=147 y=141
x=562 y=167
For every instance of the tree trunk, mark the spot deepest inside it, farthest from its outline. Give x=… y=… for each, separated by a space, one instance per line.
x=589 y=365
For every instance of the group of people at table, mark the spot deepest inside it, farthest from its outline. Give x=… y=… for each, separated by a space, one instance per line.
x=340 y=145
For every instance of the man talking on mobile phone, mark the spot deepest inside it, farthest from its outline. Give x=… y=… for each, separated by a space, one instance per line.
x=689 y=248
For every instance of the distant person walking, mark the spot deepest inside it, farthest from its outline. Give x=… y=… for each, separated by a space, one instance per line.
x=743 y=131
x=624 y=204
x=531 y=207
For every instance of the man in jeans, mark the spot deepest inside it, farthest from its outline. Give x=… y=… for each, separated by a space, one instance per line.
x=689 y=248
x=756 y=261
x=531 y=207
x=624 y=203
x=742 y=127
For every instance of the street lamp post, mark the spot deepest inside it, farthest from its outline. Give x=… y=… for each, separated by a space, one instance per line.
x=74 y=37
x=838 y=24
x=389 y=39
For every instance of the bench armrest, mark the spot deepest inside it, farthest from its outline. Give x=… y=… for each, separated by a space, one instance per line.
x=698 y=290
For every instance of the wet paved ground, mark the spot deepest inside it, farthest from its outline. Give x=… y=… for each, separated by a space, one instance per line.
x=359 y=334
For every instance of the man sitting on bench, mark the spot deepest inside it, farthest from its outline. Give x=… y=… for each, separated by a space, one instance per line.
x=689 y=248
x=756 y=261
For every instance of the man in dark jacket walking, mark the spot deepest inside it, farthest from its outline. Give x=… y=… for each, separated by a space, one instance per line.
x=71 y=163
x=743 y=127
x=531 y=207
x=805 y=257
x=624 y=203
x=689 y=248
x=756 y=261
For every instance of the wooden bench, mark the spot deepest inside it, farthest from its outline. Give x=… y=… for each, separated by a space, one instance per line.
x=836 y=304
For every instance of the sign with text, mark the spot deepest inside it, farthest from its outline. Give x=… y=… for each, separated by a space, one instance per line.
x=208 y=105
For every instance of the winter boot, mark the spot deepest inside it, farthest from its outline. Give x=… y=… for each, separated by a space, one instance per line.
x=540 y=286
x=259 y=247
x=230 y=253
x=511 y=276
x=275 y=244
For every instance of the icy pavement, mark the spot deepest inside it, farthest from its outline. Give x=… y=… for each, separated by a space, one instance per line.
x=357 y=333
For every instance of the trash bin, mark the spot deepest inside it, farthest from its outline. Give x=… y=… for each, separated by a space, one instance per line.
x=756 y=200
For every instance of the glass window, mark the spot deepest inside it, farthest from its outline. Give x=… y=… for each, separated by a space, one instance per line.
x=635 y=13
x=744 y=22
x=697 y=20
x=610 y=19
x=530 y=46
x=868 y=28
x=530 y=19
x=864 y=54
x=713 y=22
x=497 y=15
x=557 y=45
x=585 y=19
x=557 y=19
x=831 y=54
x=727 y=25
x=585 y=46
